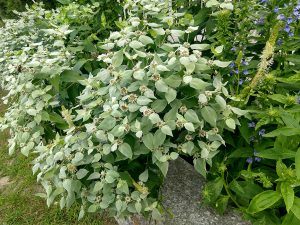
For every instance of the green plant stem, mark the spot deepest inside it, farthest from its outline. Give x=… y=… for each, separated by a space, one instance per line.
x=228 y=192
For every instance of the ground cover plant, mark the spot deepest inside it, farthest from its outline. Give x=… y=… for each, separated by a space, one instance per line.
x=103 y=100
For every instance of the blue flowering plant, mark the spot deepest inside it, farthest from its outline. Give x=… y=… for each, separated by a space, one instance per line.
x=259 y=172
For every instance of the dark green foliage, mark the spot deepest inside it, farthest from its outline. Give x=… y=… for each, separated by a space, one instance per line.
x=8 y=6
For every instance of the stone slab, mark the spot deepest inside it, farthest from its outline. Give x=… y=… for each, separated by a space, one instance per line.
x=181 y=197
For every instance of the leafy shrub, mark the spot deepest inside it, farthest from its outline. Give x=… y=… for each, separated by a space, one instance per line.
x=103 y=127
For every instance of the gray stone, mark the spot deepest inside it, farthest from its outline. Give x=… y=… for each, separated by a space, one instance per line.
x=181 y=198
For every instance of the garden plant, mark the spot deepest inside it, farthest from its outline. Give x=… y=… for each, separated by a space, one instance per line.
x=104 y=98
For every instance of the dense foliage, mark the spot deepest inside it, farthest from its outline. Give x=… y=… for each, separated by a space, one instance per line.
x=105 y=98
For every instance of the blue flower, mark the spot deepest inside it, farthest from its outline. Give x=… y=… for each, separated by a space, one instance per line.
x=287 y=28
x=236 y=71
x=263 y=1
x=261 y=132
x=259 y=21
x=249 y=160
x=233 y=49
x=245 y=72
x=241 y=81
x=279 y=42
x=276 y=9
x=257 y=159
x=298 y=101
x=252 y=139
x=252 y=124
x=281 y=17
x=291 y=34
x=232 y=65
x=289 y=20
x=245 y=63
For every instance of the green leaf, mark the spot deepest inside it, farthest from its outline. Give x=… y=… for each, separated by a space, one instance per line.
x=276 y=154
x=125 y=149
x=221 y=64
x=211 y=3
x=158 y=138
x=159 y=105
x=221 y=102
x=285 y=131
x=144 y=176
x=167 y=130
x=148 y=141
x=296 y=207
x=200 y=47
x=290 y=219
x=191 y=116
x=81 y=173
x=199 y=84
x=263 y=201
x=189 y=127
x=209 y=115
x=163 y=166
x=170 y=95
x=297 y=163
x=200 y=166
x=145 y=40
x=117 y=59
x=70 y=76
x=230 y=123
x=135 y=44
x=288 y=195
x=161 y=86
x=221 y=204
x=142 y=100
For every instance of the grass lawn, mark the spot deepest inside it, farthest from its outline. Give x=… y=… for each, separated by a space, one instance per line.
x=19 y=205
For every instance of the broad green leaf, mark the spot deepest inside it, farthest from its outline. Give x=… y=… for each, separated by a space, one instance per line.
x=161 y=86
x=159 y=105
x=221 y=64
x=148 y=141
x=263 y=200
x=170 y=95
x=209 y=115
x=200 y=166
x=290 y=219
x=163 y=166
x=221 y=102
x=221 y=204
x=135 y=44
x=200 y=47
x=158 y=138
x=199 y=84
x=81 y=173
x=230 y=123
x=125 y=149
x=145 y=40
x=288 y=195
x=212 y=3
x=70 y=76
x=297 y=163
x=167 y=130
x=117 y=59
x=191 y=116
x=276 y=154
x=190 y=127
x=285 y=131
x=144 y=176
x=296 y=207
x=142 y=100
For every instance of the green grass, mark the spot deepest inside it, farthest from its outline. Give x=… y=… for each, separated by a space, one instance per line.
x=18 y=203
